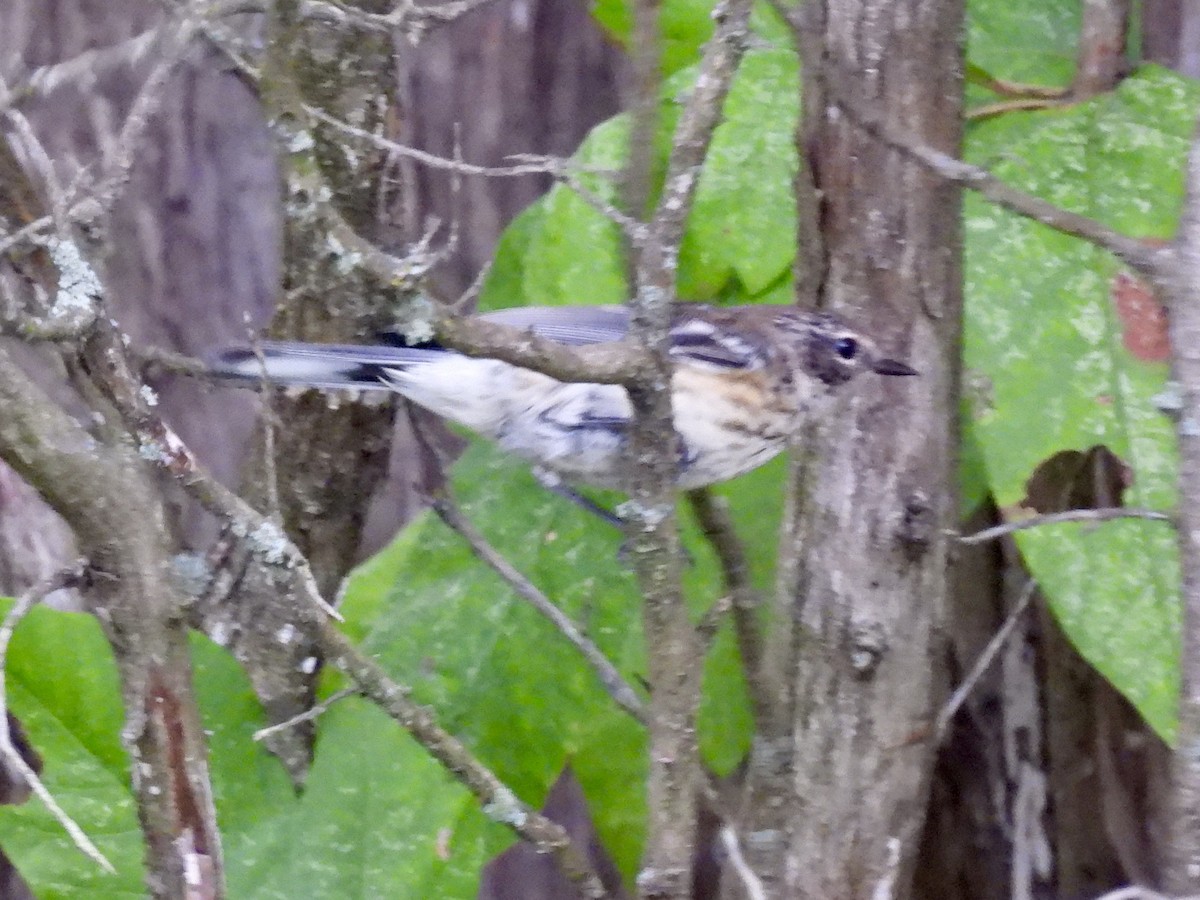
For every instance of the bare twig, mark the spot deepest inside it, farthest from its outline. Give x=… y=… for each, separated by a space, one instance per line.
x=528 y=164
x=712 y=514
x=407 y=17
x=160 y=445
x=68 y=577
x=623 y=362
x=157 y=359
x=1180 y=281
x=982 y=663
x=675 y=665
x=313 y=712
x=1133 y=252
x=614 y=683
x=38 y=159
x=564 y=171
x=1107 y=514
x=751 y=884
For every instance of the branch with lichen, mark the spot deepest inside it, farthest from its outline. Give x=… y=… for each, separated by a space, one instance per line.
x=675 y=660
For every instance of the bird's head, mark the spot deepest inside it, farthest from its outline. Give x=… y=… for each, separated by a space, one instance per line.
x=834 y=352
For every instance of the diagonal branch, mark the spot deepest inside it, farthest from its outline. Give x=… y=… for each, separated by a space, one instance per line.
x=676 y=658
x=1108 y=514
x=712 y=514
x=614 y=683
x=1144 y=259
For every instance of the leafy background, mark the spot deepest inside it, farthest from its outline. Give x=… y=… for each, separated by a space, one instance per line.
x=1048 y=369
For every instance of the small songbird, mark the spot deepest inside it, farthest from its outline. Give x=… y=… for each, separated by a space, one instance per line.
x=744 y=378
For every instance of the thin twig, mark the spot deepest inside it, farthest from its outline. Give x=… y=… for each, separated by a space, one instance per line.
x=314 y=711
x=675 y=665
x=981 y=664
x=1106 y=514
x=1135 y=253
x=561 y=170
x=159 y=444
x=751 y=884
x=35 y=154
x=614 y=683
x=151 y=360
x=68 y=577
x=529 y=164
x=716 y=524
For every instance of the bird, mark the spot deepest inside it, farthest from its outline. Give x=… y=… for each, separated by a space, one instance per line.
x=744 y=378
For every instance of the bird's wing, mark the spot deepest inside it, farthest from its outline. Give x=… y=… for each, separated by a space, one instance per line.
x=694 y=338
x=574 y=325
x=716 y=344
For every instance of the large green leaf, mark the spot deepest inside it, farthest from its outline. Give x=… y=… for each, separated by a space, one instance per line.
x=572 y=253
x=378 y=818
x=504 y=680
x=1048 y=368
x=1028 y=41
x=62 y=685
x=741 y=232
x=743 y=218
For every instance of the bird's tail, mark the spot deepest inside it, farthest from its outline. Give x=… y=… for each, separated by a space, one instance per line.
x=318 y=365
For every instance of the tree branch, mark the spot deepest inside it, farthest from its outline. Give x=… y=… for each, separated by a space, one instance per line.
x=1071 y=515
x=716 y=524
x=1144 y=259
x=675 y=661
x=1179 y=279
x=614 y=683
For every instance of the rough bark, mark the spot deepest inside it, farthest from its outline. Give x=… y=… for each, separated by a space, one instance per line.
x=106 y=493
x=873 y=583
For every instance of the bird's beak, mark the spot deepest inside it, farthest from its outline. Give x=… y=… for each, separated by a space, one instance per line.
x=892 y=367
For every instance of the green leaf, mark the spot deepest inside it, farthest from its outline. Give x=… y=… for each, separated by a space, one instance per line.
x=62 y=685
x=378 y=818
x=1047 y=367
x=504 y=285
x=572 y=253
x=1027 y=41
x=743 y=217
x=505 y=681
x=685 y=26
x=741 y=233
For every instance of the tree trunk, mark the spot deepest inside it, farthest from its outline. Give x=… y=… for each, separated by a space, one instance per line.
x=854 y=764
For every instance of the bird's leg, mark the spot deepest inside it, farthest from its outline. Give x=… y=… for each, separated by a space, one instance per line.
x=555 y=484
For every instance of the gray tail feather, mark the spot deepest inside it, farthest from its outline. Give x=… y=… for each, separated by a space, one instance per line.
x=317 y=365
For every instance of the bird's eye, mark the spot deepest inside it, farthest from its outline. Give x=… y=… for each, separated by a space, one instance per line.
x=846 y=347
